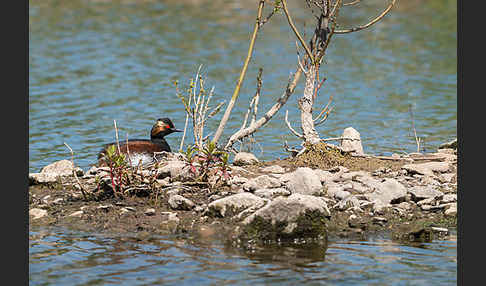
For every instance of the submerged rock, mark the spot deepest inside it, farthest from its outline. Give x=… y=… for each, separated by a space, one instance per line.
x=413 y=232
x=296 y=216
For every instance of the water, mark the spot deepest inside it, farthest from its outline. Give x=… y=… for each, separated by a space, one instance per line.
x=59 y=257
x=92 y=62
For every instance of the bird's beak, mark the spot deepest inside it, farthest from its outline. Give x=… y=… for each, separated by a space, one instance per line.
x=176 y=130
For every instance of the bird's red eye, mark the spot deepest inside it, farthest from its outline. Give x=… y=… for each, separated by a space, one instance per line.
x=167 y=126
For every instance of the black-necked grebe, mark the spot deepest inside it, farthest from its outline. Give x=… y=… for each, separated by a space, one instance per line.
x=144 y=149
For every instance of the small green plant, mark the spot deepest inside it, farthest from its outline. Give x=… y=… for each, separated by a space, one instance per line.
x=207 y=161
x=118 y=165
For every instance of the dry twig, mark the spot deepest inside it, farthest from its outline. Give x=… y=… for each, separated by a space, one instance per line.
x=81 y=187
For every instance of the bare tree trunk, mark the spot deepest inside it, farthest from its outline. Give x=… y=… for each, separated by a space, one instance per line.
x=305 y=104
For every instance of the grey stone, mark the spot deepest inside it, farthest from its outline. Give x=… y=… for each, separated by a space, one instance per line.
x=77 y=214
x=289 y=216
x=447 y=178
x=424 y=192
x=341 y=195
x=61 y=168
x=37 y=213
x=451 y=211
x=429 y=201
x=42 y=178
x=387 y=192
x=272 y=193
x=449 y=198
x=350 y=202
x=169 y=216
x=261 y=182
x=149 y=212
x=233 y=204
x=244 y=158
x=276 y=169
x=354 y=175
x=176 y=170
x=238 y=180
x=450 y=145
x=178 y=202
x=404 y=206
x=353 y=146
x=326 y=176
x=302 y=181
x=427 y=168
x=127 y=210
x=105 y=207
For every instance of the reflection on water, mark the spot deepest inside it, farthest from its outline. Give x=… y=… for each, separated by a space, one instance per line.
x=92 y=62
x=60 y=256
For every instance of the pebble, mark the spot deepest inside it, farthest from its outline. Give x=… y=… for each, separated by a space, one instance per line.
x=77 y=214
x=37 y=213
x=149 y=212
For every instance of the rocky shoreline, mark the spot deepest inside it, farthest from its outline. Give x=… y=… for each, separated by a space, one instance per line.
x=412 y=198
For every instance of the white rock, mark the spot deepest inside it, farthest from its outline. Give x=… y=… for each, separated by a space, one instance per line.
x=149 y=212
x=276 y=169
x=261 y=182
x=289 y=210
x=388 y=191
x=174 y=169
x=424 y=192
x=449 y=198
x=272 y=193
x=37 y=213
x=447 y=178
x=77 y=214
x=41 y=178
x=353 y=146
x=302 y=181
x=427 y=168
x=236 y=203
x=170 y=217
x=178 y=202
x=326 y=176
x=244 y=158
x=451 y=211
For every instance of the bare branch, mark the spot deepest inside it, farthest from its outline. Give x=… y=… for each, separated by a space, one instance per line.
x=325 y=117
x=296 y=32
x=340 y=138
x=292 y=151
x=74 y=173
x=257 y=96
x=324 y=109
x=268 y=115
x=236 y=92
x=352 y=3
x=378 y=18
x=290 y=127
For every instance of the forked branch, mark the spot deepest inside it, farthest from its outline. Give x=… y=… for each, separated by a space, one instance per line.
x=378 y=18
